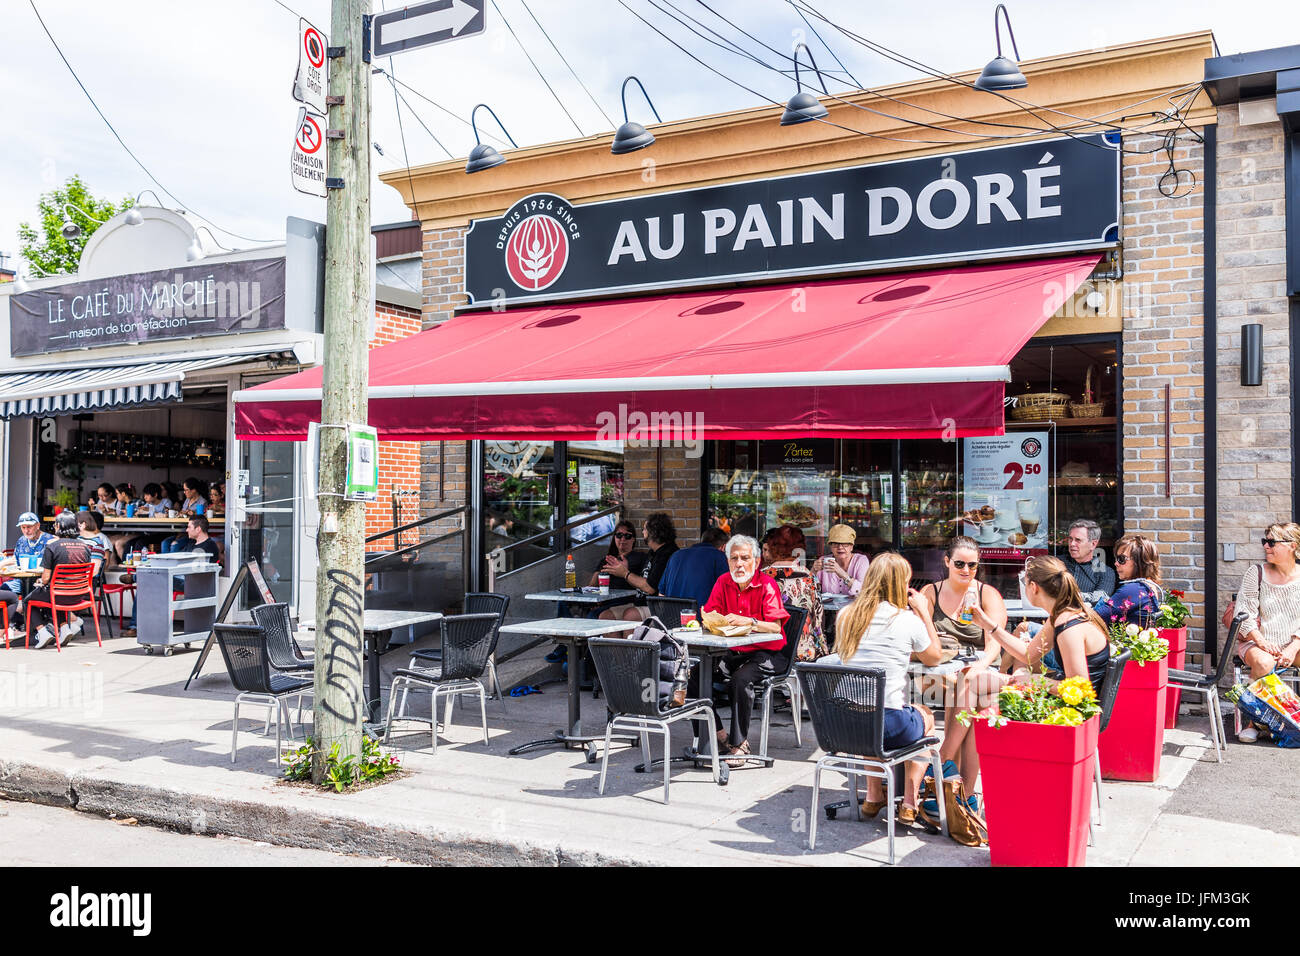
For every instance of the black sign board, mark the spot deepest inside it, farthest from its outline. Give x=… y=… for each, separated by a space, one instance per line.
x=198 y=300
x=1045 y=196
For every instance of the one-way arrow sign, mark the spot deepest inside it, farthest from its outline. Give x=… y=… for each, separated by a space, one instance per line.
x=425 y=24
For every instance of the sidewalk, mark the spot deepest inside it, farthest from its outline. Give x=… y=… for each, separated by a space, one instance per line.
x=133 y=743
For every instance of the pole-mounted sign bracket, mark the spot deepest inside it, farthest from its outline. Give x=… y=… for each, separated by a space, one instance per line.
x=334 y=182
x=365 y=37
x=336 y=52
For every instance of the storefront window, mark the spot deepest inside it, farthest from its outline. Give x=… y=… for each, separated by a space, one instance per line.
x=863 y=493
x=928 y=503
x=595 y=484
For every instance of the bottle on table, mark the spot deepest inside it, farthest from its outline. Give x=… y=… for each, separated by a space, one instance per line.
x=968 y=602
x=570 y=574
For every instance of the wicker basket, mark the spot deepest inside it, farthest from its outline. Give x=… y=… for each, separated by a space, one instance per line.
x=1085 y=408
x=1039 y=406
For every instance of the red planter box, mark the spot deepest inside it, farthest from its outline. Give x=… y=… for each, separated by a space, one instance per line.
x=1131 y=745
x=1177 y=638
x=1037 y=791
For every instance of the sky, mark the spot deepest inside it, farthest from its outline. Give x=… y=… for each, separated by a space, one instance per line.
x=201 y=91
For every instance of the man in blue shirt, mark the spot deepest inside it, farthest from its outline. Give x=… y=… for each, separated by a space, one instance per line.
x=30 y=544
x=692 y=572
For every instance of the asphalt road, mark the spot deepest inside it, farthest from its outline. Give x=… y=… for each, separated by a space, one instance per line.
x=1257 y=784
x=35 y=835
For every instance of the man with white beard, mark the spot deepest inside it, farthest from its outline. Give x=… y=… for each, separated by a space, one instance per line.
x=745 y=595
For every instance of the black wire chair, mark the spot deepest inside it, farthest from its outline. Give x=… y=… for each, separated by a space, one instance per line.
x=248 y=661
x=669 y=609
x=847 y=706
x=468 y=642
x=1107 y=697
x=475 y=602
x=630 y=674
x=284 y=651
x=767 y=686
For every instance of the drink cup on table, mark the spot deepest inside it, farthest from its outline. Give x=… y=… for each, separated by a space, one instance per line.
x=688 y=617
x=602 y=580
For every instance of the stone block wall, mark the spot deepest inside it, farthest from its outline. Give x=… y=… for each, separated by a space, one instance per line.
x=1163 y=345
x=1255 y=430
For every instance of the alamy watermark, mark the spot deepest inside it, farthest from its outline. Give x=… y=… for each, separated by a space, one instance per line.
x=658 y=429
x=21 y=691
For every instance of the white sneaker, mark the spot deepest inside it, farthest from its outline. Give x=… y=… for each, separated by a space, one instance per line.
x=1248 y=735
x=44 y=636
x=65 y=631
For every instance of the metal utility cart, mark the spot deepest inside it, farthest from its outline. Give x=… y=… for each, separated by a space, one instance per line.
x=157 y=610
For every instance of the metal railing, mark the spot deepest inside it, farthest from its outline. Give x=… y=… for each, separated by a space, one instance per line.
x=496 y=558
x=422 y=543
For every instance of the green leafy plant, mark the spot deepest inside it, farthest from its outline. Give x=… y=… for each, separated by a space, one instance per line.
x=45 y=247
x=342 y=772
x=1068 y=704
x=1174 y=613
x=1145 y=646
x=65 y=498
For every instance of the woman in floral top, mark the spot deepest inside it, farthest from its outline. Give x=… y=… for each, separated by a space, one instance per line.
x=798 y=587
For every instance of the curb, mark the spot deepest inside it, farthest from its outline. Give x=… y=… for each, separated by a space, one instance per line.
x=333 y=830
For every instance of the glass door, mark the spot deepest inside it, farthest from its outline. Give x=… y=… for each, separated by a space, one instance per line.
x=928 y=503
x=267 y=531
x=521 y=499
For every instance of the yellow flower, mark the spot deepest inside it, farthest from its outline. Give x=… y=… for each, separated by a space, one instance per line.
x=1072 y=694
x=1065 y=717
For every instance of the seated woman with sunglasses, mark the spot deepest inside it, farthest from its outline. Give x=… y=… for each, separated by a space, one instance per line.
x=1138 y=598
x=1269 y=596
x=621 y=552
x=958 y=630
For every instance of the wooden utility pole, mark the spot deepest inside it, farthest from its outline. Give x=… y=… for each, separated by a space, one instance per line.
x=340 y=703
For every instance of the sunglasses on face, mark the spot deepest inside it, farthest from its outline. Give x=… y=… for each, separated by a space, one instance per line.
x=623 y=535
x=963 y=565
x=1273 y=542
x=1122 y=559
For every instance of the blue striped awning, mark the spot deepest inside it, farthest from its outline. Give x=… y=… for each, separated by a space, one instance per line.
x=33 y=394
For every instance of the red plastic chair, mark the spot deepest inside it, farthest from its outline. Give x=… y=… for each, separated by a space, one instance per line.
x=4 y=608
x=109 y=589
x=68 y=581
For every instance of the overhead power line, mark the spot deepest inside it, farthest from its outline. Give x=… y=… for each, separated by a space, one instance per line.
x=537 y=68
x=122 y=142
x=565 y=61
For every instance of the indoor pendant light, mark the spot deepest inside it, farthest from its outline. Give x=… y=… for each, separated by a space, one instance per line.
x=1002 y=73
x=633 y=136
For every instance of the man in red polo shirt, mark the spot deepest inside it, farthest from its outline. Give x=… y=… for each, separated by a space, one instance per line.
x=747 y=595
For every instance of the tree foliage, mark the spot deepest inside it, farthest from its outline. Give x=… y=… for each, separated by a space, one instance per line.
x=45 y=247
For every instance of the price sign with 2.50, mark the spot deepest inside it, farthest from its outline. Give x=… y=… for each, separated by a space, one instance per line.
x=1016 y=472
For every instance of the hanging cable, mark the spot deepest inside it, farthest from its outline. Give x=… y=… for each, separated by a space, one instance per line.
x=122 y=143
x=537 y=68
x=835 y=57
x=564 y=60
x=434 y=103
x=393 y=80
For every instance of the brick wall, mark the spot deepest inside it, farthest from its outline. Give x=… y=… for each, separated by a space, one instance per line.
x=399 y=461
x=1163 y=344
x=677 y=490
x=443 y=273
x=1255 y=431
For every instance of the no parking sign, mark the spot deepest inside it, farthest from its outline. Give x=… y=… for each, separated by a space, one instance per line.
x=307 y=161
x=311 y=81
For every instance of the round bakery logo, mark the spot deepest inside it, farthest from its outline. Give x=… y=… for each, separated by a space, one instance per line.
x=1031 y=447
x=535 y=237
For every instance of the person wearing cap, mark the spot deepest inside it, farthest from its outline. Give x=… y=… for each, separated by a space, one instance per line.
x=31 y=544
x=843 y=571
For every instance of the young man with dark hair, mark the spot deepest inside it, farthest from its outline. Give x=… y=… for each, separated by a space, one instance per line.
x=197 y=531
x=66 y=548
x=692 y=572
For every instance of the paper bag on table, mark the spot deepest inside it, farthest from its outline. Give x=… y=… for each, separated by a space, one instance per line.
x=716 y=623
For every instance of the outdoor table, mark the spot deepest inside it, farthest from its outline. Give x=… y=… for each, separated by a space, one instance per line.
x=832 y=604
x=26 y=579
x=591 y=602
x=120 y=523
x=378 y=627
x=1026 y=612
x=571 y=632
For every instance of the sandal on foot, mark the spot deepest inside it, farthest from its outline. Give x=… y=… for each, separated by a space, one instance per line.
x=737 y=758
x=907 y=815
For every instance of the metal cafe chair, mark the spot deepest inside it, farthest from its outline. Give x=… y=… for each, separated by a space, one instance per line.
x=1107 y=698
x=468 y=642
x=1208 y=686
x=475 y=602
x=768 y=685
x=74 y=584
x=248 y=661
x=669 y=609
x=847 y=706
x=283 y=650
x=627 y=668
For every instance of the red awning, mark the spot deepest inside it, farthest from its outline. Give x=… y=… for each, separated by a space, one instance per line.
x=911 y=355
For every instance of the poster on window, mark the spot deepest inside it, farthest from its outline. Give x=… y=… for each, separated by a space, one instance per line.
x=1005 y=493
x=801 y=499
